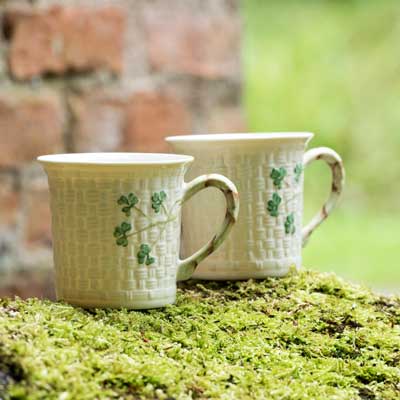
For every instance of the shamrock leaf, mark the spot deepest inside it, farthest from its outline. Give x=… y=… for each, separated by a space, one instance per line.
x=145 y=248
x=277 y=175
x=126 y=210
x=273 y=205
x=143 y=255
x=120 y=233
x=289 y=224
x=122 y=241
x=126 y=226
x=150 y=260
x=298 y=169
x=133 y=200
x=157 y=200
x=117 y=232
x=123 y=200
x=128 y=202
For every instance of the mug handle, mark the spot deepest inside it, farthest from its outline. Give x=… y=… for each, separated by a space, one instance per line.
x=187 y=266
x=336 y=165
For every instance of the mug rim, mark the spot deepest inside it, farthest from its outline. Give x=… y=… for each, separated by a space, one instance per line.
x=252 y=136
x=115 y=158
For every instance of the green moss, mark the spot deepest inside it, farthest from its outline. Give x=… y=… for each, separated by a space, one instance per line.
x=306 y=336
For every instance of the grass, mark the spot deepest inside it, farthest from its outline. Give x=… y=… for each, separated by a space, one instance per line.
x=306 y=336
x=359 y=247
x=331 y=67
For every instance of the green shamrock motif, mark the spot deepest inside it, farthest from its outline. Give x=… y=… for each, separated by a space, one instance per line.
x=277 y=175
x=289 y=224
x=273 y=205
x=128 y=202
x=120 y=233
x=298 y=169
x=143 y=255
x=157 y=199
x=125 y=231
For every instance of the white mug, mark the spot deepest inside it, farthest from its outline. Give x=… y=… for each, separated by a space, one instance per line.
x=116 y=226
x=267 y=169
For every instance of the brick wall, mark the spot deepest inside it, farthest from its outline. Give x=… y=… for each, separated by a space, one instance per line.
x=95 y=75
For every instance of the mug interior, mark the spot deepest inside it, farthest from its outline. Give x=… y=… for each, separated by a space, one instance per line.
x=234 y=137
x=115 y=158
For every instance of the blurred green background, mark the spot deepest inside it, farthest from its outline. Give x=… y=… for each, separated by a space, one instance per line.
x=333 y=68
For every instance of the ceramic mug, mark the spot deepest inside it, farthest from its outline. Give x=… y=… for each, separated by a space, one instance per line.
x=116 y=222
x=268 y=171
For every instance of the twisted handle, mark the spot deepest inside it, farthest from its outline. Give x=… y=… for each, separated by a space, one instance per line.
x=187 y=266
x=336 y=165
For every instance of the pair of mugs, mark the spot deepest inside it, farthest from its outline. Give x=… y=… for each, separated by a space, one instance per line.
x=116 y=217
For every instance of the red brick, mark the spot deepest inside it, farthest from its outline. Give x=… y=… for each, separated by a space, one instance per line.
x=36 y=209
x=193 y=43
x=99 y=121
x=30 y=125
x=27 y=284
x=152 y=116
x=138 y=122
x=9 y=200
x=225 y=119
x=61 y=39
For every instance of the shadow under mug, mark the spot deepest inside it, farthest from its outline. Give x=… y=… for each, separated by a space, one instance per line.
x=116 y=222
x=267 y=169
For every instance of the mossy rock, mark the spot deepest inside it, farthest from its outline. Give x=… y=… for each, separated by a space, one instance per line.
x=306 y=336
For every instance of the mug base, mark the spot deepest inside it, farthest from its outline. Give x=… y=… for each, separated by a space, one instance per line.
x=245 y=270
x=143 y=305
x=130 y=300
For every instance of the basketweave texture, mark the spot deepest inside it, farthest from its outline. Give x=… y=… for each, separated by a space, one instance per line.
x=91 y=269
x=259 y=245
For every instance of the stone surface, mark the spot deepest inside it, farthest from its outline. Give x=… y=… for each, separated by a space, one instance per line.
x=31 y=124
x=62 y=39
